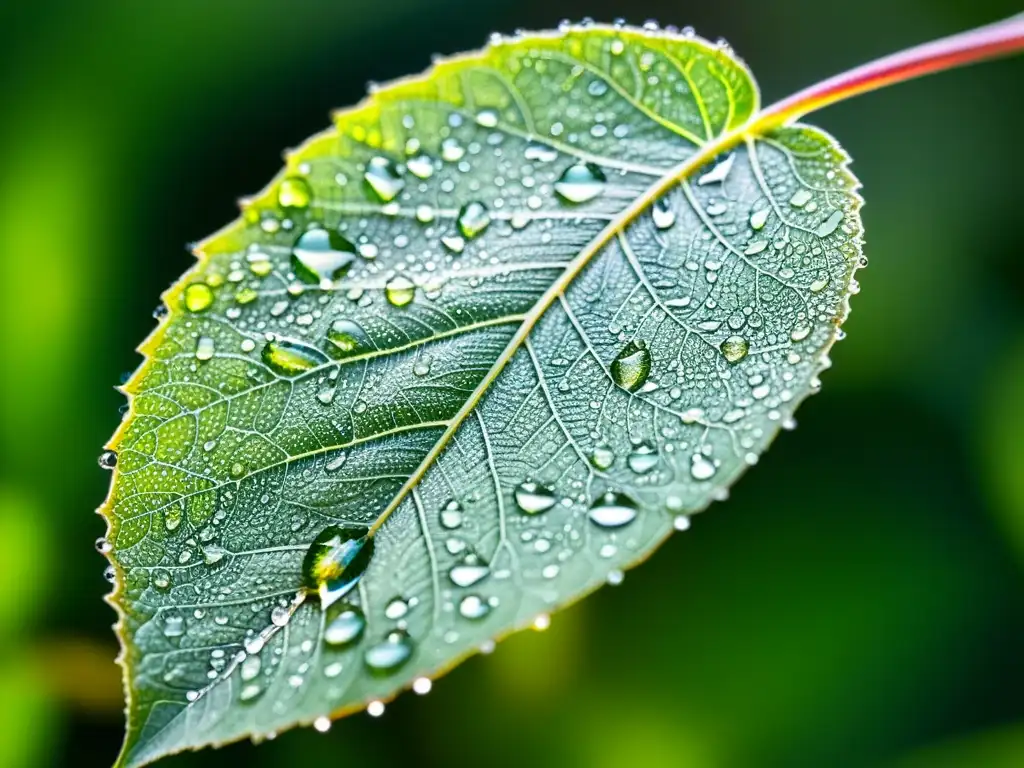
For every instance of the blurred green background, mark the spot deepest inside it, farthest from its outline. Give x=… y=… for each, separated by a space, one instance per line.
x=858 y=602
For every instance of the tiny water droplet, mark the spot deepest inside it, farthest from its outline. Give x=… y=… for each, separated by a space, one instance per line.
x=336 y=560
x=290 y=358
x=602 y=457
x=348 y=337
x=534 y=498
x=643 y=458
x=198 y=297
x=632 y=366
x=420 y=166
x=701 y=468
x=581 y=182
x=103 y=546
x=319 y=254
x=758 y=219
x=735 y=348
x=322 y=724
x=204 y=348
x=474 y=607
x=400 y=291
x=662 y=213
x=468 y=572
x=108 y=459
x=451 y=515
x=454 y=243
x=613 y=510
x=294 y=192
x=345 y=625
x=388 y=656
x=396 y=608
x=473 y=219
x=383 y=178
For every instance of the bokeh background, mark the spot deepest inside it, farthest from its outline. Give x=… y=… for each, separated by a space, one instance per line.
x=858 y=602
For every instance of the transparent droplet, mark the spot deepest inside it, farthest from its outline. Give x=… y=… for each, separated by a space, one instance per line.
x=388 y=656
x=335 y=561
x=473 y=219
x=474 y=607
x=701 y=468
x=468 y=572
x=662 y=213
x=396 y=608
x=290 y=358
x=344 y=625
x=294 y=192
x=540 y=153
x=348 y=337
x=613 y=510
x=488 y=118
x=735 y=348
x=452 y=151
x=383 y=178
x=534 y=498
x=319 y=254
x=581 y=182
x=602 y=457
x=643 y=458
x=420 y=166
x=103 y=546
x=632 y=366
x=400 y=291
x=454 y=243
x=198 y=297
x=108 y=459
x=451 y=515
x=204 y=348
x=758 y=219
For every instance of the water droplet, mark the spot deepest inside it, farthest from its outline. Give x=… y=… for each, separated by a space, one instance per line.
x=540 y=153
x=718 y=173
x=290 y=358
x=174 y=626
x=250 y=668
x=280 y=615
x=345 y=625
x=294 y=192
x=103 y=546
x=108 y=459
x=387 y=656
x=602 y=457
x=643 y=458
x=454 y=243
x=319 y=254
x=250 y=693
x=204 y=348
x=474 y=607
x=758 y=219
x=452 y=151
x=348 y=337
x=396 y=609
x=534 y=498
x=198 y=297
x=110 y=574
x=422 y=685
x=473 y=219
x=800 y=198
x=451 y=515
x=322 y=724
x=829 y=225
x=632 y=366
x=581 y=182
x=701 y=468
x=662 y=213
x=488 y=118
x=400 y=291
x=735 y=348
x=468 y=572
x=335 y=561
x=613 y=510
x=420 y=166
x=382 y=177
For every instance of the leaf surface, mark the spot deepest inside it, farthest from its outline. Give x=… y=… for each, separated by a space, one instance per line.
x=492 y=337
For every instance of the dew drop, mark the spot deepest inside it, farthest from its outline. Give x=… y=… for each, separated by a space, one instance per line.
x=294 y=192
x=388 y=656
x=474 y=607
x=290 y=358
x=613 y=510
x=336 y=560
x=758 y=219
x=473 y=219
x=602 y=457
x=800 y=198
x=829 y=225
x=319 y=254
x=108 y=459
x=345 y=625
x=103 y=546
x=322 y=724
x=454 y=243
x=204 y=348
x=198 y=297
x=468 y=572
x=420 y=166
x=348 y=337
x=382 y=177
x=662 y=213
x=701 y=468
x=540 y=153
x=718 y=173
x=581 y=182
x=643 y=458
x=400 y=291
x=488 y=118
x=735 y=348
x=396 y=609
x=451 y=515
x=452 y=151
x=534 y=498
x=632 y=366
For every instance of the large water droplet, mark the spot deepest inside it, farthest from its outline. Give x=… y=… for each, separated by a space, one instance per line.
x=602 y=457
x=643 y=458
x=294 y=192
x=204 y=348
x=473 y=219
x=613 y=510
x=735 y=348
x=198 y=297
x=348 y=337
x=662 y=213
x=581 y=182
x=534 y=498
x=345 y=625
x=290 y=358
x=468 y=572
x=319 y=254
x=387 y=656
x=474 y=607
x=632 y=366
x=400 y=291
x=701 y=468
x=335 y=561
x=382 y=177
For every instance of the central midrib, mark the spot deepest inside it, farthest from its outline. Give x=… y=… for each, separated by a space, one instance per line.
x=760 y=122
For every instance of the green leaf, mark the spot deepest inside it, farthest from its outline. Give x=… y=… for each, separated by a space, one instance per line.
x=476 y=350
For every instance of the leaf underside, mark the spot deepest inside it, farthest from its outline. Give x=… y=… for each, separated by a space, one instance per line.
x=518 y=317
